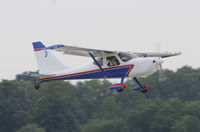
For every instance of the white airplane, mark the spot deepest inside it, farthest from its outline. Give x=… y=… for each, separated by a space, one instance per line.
x=105 y=64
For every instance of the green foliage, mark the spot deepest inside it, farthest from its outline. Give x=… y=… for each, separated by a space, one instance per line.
x=116 y=125
x=59 y=106
x=15 y=104
x=140 y=120
x=53 y=110
x=31 y=128
x=186 y=123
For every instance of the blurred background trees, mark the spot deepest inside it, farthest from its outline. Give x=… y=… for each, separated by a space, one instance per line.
x=59 y=106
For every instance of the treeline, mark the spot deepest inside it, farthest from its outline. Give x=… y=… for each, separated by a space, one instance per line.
x=59 y=106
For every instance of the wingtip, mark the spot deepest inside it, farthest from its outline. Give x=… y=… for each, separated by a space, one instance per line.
x=177 y=53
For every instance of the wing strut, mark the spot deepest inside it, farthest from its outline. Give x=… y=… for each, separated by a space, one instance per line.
x=98 y=64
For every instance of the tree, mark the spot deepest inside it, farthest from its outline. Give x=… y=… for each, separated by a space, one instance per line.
x=116 y=125
x=166 y=114
x=14 y=105
x=186 y=123
x=31 y=128
x=53 y=109
x=140 y=120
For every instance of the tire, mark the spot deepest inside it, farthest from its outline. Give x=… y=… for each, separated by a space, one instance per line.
x=144 y=91
x=120 y=90
x=37 y=86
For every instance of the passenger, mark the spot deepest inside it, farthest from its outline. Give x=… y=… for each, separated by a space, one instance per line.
x=112 y=61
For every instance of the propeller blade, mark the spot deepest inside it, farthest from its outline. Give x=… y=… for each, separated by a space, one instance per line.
x=161 y=74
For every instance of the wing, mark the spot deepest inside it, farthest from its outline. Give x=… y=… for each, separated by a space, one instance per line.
x=79 y=51
x=156 y=54
x=72 y=50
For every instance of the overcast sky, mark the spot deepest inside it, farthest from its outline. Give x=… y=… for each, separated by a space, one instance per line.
x=133 y=25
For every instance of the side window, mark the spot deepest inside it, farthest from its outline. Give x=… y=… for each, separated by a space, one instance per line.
x=100 y=61
x=112 y=61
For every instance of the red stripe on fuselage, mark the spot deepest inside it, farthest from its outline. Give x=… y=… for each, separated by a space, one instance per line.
x=61 y=76
x=37 y=49
x=129 y=70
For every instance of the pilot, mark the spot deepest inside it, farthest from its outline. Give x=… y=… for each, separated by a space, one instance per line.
x=112 y=61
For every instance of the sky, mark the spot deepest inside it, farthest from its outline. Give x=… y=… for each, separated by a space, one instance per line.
x=122 y=25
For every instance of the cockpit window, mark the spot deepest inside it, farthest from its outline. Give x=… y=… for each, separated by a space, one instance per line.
x=100 y=61
x=112 y=61
x=126 y=56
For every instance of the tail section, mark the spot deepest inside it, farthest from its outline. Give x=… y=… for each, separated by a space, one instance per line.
x=47 y=62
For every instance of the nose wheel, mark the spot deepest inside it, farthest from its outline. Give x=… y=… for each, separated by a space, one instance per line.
x=142 y=88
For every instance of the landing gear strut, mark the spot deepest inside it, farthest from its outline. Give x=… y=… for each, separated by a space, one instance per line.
x=142 y=88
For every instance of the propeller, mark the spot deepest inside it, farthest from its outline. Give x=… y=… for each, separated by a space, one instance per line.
x=161 y=73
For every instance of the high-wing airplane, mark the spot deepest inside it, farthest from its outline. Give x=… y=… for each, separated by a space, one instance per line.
x=105 y=64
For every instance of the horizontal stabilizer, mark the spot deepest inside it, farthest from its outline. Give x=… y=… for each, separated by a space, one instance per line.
x=35 y=75
x=53 y=47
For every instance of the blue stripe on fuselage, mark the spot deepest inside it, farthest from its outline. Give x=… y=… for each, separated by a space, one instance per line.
x=112 y=73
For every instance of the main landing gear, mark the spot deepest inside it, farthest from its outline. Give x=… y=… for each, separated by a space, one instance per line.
x=142 y=88
x=119 y=87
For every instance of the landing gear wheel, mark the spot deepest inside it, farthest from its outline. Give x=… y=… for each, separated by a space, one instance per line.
x=37 y=86
x=144 y=91
x=120 y=90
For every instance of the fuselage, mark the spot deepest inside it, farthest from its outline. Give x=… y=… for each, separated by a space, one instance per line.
x=136 y=67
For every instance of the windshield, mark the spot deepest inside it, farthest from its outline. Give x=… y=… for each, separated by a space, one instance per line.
x=126 y=56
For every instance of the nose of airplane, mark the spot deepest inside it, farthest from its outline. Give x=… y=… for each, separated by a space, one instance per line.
x=159 y=61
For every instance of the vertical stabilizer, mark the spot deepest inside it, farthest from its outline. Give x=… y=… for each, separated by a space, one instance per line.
x=47 y=62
